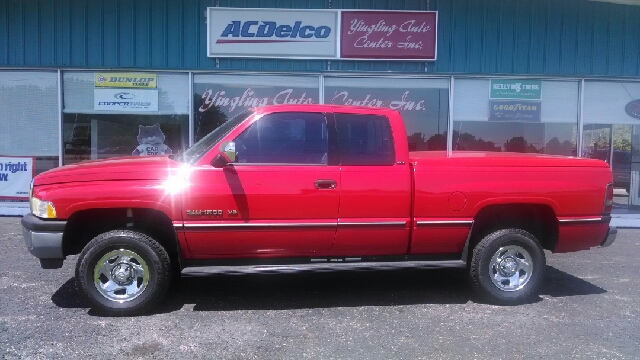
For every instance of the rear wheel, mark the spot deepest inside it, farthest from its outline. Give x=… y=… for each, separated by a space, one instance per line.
x=507 y=267
x=123 y=272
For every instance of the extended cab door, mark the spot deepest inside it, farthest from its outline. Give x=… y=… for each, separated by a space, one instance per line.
x=279 y=197
x=375 y=191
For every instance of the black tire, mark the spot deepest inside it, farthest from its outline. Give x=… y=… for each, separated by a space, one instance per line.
x=145 y=271
x=499 y=269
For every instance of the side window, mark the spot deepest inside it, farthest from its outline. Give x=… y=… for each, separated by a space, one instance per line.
x=284 y=138
x=364 y=140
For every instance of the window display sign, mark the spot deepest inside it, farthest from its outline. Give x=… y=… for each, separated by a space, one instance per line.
x=151 y=140
x=514 y=110
x=15 y=177
x=125 y=80
x=516 y=89
x=279 y=33
x=406 y=35
x=125 y=100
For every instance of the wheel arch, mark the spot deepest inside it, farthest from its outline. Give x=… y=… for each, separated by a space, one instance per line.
x=84 y=225
x=538 y=219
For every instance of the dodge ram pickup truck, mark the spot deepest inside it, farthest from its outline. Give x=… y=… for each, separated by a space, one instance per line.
x=314 y=184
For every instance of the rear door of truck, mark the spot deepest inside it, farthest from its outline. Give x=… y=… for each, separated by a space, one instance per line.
x=375 y=191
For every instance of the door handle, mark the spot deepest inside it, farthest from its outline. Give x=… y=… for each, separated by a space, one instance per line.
x=325 y=184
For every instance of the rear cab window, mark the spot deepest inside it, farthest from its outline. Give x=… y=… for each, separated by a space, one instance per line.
x=364 y=140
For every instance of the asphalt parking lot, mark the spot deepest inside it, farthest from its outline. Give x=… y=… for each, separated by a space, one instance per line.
x=589 y=308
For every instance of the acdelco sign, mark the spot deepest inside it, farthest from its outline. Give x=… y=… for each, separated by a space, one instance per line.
x=274 y=33
x=270 y=29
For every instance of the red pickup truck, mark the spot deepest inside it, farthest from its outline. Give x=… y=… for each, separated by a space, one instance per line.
x=314 y=184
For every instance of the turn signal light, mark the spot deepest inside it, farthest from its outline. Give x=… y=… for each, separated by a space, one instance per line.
x=43 y=209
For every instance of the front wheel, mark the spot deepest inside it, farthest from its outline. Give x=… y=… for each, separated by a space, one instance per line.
x=507 y=267
x=123 y=272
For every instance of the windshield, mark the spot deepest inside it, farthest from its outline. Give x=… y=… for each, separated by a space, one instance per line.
x=205 y=144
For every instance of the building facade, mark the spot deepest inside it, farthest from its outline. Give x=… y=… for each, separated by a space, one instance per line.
x=83 y=80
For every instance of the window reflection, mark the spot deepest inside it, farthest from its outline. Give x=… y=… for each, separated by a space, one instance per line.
x=554 y=139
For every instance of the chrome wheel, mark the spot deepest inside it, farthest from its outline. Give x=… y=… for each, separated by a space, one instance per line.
x=511 y=268
x=121 y=275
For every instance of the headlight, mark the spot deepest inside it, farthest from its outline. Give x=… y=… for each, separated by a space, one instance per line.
x=42 y=209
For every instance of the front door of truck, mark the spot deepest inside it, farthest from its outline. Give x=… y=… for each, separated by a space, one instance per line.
x=375 y=191
x=279 y=197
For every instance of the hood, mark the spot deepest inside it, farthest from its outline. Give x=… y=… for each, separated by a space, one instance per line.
x=124 y=168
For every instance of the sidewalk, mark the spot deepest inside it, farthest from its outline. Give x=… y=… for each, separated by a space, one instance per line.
x=625 y=220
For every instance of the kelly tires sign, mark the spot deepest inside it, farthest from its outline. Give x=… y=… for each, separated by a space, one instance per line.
x=15 y=177
x=321 y=34
x=516 y=89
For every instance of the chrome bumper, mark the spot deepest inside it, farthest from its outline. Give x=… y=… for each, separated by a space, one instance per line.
x=610 y=238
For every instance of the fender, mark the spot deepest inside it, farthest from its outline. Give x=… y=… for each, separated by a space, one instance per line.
x=512 y=200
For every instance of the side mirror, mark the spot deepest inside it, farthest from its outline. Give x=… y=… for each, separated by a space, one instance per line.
x=226 y=154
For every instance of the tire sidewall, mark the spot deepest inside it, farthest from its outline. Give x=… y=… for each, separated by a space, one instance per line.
x=130 y=242
x=496 y=241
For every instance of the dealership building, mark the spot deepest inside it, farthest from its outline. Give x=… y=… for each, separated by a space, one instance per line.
x=83 y=80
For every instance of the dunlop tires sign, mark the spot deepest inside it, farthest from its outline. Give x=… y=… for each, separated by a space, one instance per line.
x=125 y=80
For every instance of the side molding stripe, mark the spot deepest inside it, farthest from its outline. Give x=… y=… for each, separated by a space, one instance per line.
x=580 y=220
x=444 y=222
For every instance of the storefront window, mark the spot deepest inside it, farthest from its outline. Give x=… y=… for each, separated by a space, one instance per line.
x=109 y=114
x=536 y=116
x=217 y=98
x=423 y=103
x=29 y=140
x=612 y=133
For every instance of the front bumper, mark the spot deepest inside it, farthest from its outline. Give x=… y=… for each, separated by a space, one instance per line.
x=43 y=239
x=610 y=238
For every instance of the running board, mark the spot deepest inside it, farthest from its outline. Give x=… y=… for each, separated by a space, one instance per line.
x=326 y=266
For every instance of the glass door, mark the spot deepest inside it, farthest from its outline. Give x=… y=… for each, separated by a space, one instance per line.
x=611 y=133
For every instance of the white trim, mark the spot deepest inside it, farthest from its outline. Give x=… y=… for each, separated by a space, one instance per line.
x=321 y=89
x=253 y=225
x=580 y=119
x=191 y=118
x=371 y=223
x=60 y=119
x=580 y=220
x=443 y=222
x=339 y=35
x=435 y=54
x=450 y=119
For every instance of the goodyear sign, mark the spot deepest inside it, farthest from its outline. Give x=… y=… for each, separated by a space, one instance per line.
x=125 y=80
x=280 y=33
x=515 y=110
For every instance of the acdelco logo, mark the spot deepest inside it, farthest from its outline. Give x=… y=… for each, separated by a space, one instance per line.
x=260 y=31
